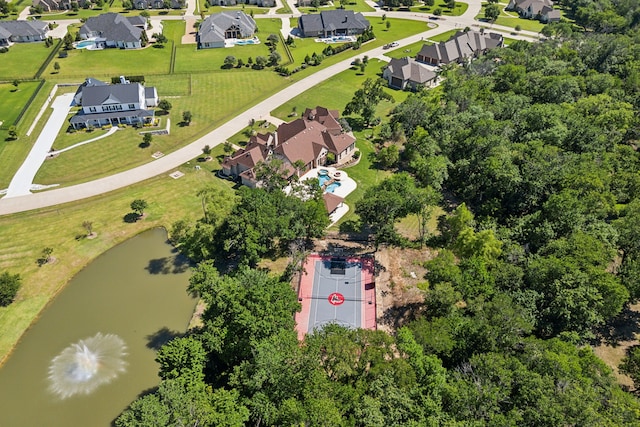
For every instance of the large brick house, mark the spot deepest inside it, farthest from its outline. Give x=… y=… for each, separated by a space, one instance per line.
x=307 y=140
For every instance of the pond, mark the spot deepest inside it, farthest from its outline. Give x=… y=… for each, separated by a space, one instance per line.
x=109 y=321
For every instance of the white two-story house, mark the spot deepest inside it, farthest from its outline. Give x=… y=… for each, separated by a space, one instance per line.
x=105 y=104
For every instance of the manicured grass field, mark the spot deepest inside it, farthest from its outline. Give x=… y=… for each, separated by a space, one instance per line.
x=82 y=63
x=511 y=19
x=233 y=92
x=115 y=7
x=400 y=28
x=23 y=60
x=191 y=59
x=13 y=101
x=13 y=153
x=459 y=9
x=24 y=236
x=355 y=5
x=335 y=92
x=173 y=30
x=255 y=9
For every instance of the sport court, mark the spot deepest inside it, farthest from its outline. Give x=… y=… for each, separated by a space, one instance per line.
x=336 y=290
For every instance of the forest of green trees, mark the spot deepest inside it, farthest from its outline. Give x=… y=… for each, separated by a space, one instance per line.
x=532 y=151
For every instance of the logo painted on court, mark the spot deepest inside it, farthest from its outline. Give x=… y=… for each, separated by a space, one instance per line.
x=336 y=298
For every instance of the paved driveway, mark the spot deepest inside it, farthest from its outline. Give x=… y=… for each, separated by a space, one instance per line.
x=21 y=183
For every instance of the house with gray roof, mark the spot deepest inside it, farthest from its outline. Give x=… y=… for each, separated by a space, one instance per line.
x=22 y=32
x=461 y=47
x=51 y=5
x=217 y=28
x=328 y=23
x=541 y=10
x=114 y=30
x=406 y=73
x=104 y=104
x=259 y=3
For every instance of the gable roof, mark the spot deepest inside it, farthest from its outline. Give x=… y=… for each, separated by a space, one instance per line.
x=343 y=18
x=112 y=26
x=111 y=94
x=331 y=201
x=463 y=44
x=213 y=28
x=302 y=139
x=331 y=20
x=411 y=70
x=24 y=28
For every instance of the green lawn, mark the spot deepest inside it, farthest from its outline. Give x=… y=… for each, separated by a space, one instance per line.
x=23 y=60
x=191 y=59
x=23 y=236
x=13 y=153
x=511 y=19
x=413 y=49
x=95 y=11
x=82 y=63
x=400 y=28
x=197 y=73
x=173 y=30
x=13 y=101
x=234 y=91
x=248 y=9
x=355 y=5
x=459 y=9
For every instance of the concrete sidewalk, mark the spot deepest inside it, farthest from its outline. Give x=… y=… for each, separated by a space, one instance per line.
x=23 y=179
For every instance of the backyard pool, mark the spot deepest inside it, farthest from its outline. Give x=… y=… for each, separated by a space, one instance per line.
x=85 y=44
x=332 y=187
x=247 y=41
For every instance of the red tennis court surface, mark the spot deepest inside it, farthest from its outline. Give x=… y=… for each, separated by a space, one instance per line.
x=336 y=290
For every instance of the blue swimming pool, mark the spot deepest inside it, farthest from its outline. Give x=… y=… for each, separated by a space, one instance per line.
x=332 y=187
x=248 y=41
x=84 y=44
x=323 y=179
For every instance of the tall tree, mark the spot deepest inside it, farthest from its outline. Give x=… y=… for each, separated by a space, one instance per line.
x=366 y=99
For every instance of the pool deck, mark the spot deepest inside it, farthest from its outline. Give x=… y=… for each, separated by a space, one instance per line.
x=347 y=186
x=317 y=284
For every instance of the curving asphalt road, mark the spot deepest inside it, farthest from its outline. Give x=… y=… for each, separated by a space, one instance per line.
x=171 y=161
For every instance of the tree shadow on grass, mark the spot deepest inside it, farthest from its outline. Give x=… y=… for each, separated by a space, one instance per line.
x=161 y=337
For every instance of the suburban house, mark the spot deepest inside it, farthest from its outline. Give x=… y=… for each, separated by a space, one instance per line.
x=113 y=104
x=339 y=22
x=407 y=73
x=307 y=140
x=158 y=4
x=22 y=32
x=219 y=27
x=115 y=30
x=259 y=3
x=461 y=47
x=535 y=9
x=52 y=5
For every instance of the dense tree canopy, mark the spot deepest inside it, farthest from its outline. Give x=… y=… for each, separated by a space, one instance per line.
x=533 y=152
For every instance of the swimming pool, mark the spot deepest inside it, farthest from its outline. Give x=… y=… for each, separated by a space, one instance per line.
x=85 y=44
x=332 y=187
x=323 y=179
x=247 y=41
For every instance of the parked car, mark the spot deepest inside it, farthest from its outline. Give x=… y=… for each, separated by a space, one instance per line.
x=394 y=44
